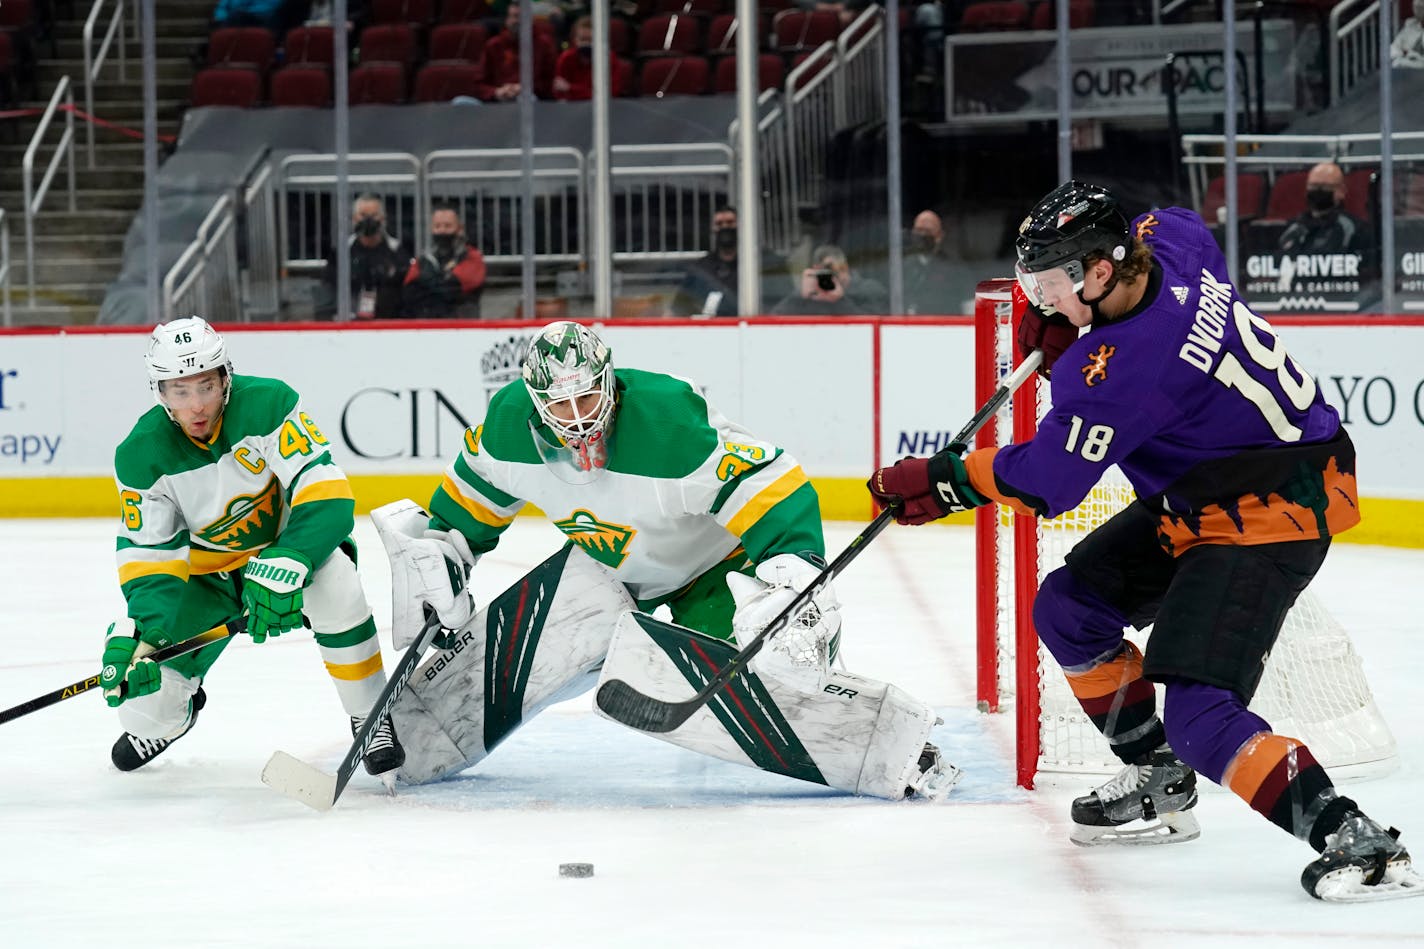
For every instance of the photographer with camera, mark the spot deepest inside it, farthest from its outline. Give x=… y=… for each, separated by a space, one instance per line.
x=825 y=288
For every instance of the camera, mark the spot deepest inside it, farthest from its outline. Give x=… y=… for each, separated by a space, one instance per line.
x=826 y=279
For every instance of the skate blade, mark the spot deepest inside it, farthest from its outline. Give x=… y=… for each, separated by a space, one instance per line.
x=388 y=780
x=1347 y=885
x=1175 y=828
x=300 y=781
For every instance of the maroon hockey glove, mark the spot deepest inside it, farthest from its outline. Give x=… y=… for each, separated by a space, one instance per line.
x=1051 y=335
x=925 y=489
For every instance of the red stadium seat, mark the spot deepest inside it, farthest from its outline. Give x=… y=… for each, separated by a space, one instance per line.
x=241 y=88
x=1357 y=192
x=464 y=11
x=302 y=85
x=994 y=16
x=388 y=43
x=441 y=82
x=17 y=15
x=664 y=34
x=1287 y=198
x=308 y=45
x=620 y=36
x=795 y=30
x=1250 y=195
x=251 y=46
x=1045 y=15
x=377 y=84
x=770 y=72
x=464 y=42
x=625 y=70
x=674 y=75
x=416 y=13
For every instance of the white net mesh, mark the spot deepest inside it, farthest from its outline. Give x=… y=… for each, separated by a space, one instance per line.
x=1313 y=688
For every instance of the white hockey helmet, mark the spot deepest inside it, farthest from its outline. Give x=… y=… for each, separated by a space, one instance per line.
x=185 y=347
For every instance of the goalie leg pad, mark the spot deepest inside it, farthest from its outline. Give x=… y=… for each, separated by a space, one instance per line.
x=537 y=643
x=850 y=733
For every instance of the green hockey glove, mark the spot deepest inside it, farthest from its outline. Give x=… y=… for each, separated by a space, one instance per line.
x=124 y=677
x=272 y=592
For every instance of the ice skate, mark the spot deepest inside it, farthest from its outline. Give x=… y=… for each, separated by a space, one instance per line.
x=1362 y=861
x=935 y=777
x=131 y=752
x=384 y=754
x=1148 y=802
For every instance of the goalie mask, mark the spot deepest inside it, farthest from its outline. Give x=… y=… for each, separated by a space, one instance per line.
x=182 y=348
x=569 y=374
x=1074 y=222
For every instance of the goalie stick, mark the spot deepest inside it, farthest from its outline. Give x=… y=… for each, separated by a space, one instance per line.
x=313 y=786
x=171 y=651
x=621 y=701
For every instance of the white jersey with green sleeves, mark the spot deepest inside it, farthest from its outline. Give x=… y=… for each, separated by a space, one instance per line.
x=189 y=508
x=683 y=489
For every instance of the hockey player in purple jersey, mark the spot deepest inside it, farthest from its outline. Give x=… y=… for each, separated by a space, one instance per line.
x=1243 y=474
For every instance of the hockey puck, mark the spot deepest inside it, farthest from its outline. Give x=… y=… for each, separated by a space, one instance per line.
x=577 y=870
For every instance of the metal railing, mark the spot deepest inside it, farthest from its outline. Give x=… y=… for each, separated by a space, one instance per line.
x=306 y=189
x=204 y=279
x=1204 y=157
x=34 y=195
x=5 y=269
x=1353 y=45
x=94 y=59
x=486 y=187
x=860 y=69
x=664 y=197
x=262 y=276
x=811 y=121
x=778 y=212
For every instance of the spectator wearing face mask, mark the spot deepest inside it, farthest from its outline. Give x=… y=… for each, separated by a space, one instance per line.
x=573 y=73
x=1325 y=227
x=447 y=279
x=928 y=290
x=709 y=287
x=378 y=265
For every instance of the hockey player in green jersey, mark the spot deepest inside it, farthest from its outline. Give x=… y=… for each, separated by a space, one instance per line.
x=230 y=504
x=677 y=506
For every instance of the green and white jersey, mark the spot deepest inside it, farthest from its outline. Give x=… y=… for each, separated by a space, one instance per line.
x=684 y=488
x=189 y=508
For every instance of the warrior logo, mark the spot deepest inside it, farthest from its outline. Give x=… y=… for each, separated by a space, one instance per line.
x=604 y=542
x=249 y=522
x=1097 y=369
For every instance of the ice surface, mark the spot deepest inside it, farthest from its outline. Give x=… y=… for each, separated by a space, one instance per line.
x=195 y=851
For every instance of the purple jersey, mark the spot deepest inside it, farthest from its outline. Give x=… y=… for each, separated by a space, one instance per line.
x=1191 y=394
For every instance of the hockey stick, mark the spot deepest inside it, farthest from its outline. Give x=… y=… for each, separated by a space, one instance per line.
x=313 y=786
x=621 y=701
x=171 y=651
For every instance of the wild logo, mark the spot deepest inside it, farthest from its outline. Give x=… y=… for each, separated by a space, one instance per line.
x=604 y=542
x=1097 y=368
x=249 y=522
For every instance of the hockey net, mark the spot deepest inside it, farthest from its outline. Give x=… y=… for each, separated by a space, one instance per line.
x=1313 y=688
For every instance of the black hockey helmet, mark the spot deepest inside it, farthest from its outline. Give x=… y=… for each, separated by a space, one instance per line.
x=1075 y=220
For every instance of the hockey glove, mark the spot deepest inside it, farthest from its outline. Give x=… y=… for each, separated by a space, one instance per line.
x=443 y=560
x=811 y=637
x=925 y=489
x=124 y=677
x=1050 y=334
x=272 y=592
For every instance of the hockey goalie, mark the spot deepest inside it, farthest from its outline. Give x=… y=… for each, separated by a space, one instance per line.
x=666 y=504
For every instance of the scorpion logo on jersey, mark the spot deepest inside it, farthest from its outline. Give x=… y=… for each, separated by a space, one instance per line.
x=249 y=522
x=1097 y=369
x=604 y=542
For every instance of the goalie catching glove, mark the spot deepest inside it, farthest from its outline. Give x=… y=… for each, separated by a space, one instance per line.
x=809 y=640
x=272 y=585
x=124 y=677
x=925 y=489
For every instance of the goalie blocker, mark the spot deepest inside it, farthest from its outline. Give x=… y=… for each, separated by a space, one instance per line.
x=545 y=639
